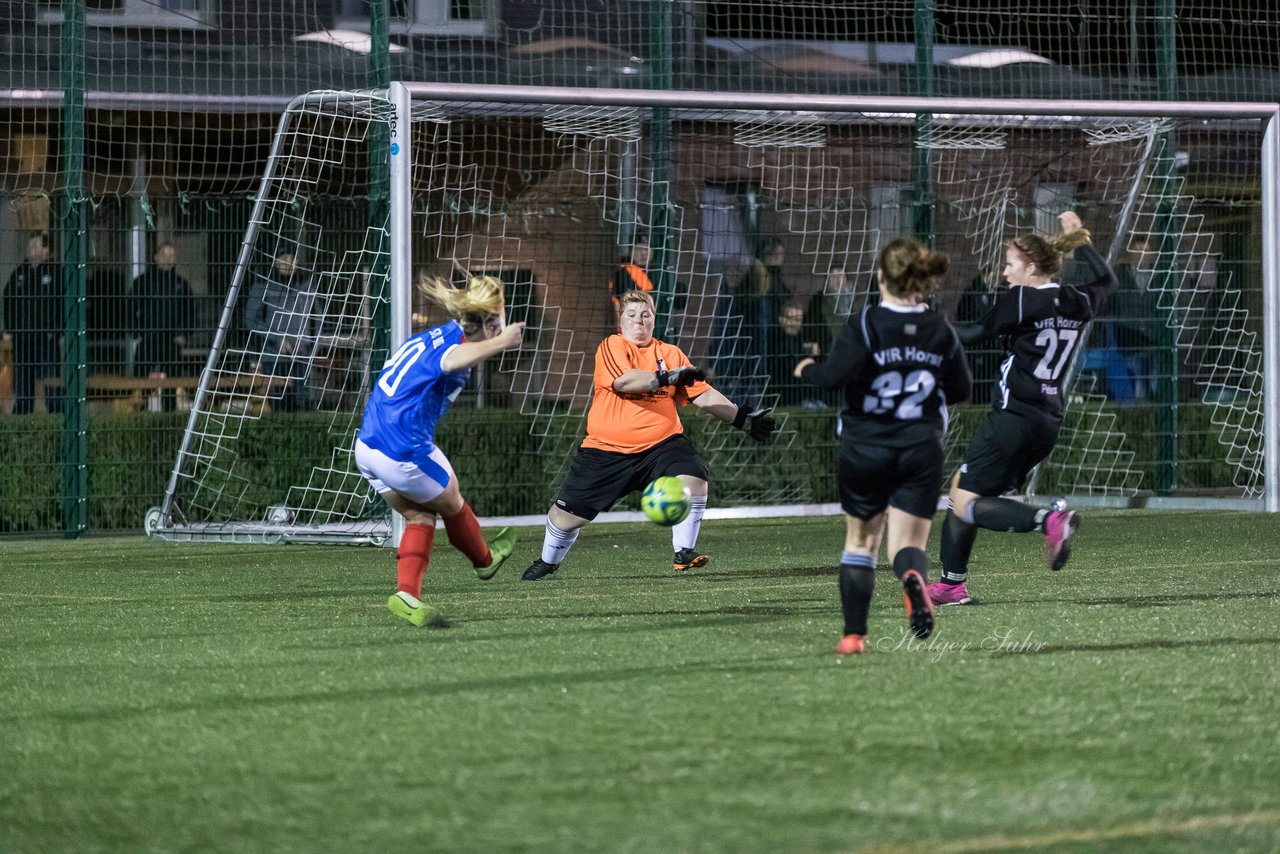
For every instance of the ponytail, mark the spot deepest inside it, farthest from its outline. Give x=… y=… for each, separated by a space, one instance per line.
x=471 y=305
x=911 y=270
x=1047 y=253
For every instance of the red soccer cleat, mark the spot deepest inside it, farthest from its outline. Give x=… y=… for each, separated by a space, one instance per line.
x=851 y=645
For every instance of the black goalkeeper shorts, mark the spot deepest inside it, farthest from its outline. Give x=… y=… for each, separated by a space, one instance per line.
x=598 y=479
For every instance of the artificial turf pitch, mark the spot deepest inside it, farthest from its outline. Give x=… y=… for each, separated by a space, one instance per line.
x=194 y=697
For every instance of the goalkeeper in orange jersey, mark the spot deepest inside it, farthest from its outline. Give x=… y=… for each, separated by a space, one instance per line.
x=634 y=435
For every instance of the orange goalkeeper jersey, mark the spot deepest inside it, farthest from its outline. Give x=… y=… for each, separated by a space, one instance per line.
x=631 y=423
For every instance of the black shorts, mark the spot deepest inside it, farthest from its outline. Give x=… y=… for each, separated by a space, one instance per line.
x=598 y=478
x=1004 y=450
x=873 y=477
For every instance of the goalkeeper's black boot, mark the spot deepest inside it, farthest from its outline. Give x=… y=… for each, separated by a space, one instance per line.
x=687 y=559
x=539 y=570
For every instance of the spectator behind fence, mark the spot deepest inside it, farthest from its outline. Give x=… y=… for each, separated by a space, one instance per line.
x=281 y=319
x=984 y=359
x=791 y=340
x=631 y=275
x=762 y=293
x=107 y=329
x=162 y=315
x=33 y=318
x=1129 y=332
x=836 y=303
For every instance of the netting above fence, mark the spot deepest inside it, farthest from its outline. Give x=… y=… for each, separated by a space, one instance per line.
x=1191 y=50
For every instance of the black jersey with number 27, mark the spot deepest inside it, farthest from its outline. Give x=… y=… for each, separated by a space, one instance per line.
x=900 y=368
x=1044 y=328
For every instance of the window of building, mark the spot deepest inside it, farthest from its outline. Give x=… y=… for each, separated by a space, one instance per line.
x=891 y=213
x=445 y=17
x=1051 y=200
x=138 y=13
x=729 y=218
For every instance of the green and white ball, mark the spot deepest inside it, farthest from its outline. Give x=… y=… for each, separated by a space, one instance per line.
x=666 y=501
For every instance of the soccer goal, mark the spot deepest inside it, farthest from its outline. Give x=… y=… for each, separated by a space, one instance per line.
x=739 y=207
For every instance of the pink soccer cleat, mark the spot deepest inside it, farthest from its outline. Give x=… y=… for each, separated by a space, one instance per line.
x=942 y=593
x=1059 y=528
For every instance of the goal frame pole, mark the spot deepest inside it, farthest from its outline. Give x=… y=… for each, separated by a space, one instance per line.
x=400 y=287
x=1271 y=308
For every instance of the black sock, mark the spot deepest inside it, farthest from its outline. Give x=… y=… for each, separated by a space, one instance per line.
x=857 y=584
x=1005 y=514
x=910 y=558
x=957 y=545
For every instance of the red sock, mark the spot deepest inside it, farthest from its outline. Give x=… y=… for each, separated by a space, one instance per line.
x=464 y=535
x=411 y=558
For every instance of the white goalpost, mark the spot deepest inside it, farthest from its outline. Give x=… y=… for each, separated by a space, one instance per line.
x=545 y=188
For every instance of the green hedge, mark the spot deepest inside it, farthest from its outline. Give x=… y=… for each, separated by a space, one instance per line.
x=495 y=452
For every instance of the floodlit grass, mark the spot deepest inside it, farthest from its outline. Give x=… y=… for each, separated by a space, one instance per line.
x=170 y=697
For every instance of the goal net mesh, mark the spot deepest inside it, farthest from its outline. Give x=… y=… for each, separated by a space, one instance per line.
x=744 y=216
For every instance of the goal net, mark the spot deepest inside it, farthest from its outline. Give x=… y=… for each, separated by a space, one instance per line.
x=758 y=227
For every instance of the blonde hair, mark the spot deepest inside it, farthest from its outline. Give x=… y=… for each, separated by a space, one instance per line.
x=636 y=295
x=480 y=299
x=910 y=269
x=1047 y=253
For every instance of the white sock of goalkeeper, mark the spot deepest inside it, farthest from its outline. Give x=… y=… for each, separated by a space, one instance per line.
x=556 y=543
x=685 y=534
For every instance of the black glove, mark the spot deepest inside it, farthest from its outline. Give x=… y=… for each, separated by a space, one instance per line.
x=755 y=423
x=681 y=377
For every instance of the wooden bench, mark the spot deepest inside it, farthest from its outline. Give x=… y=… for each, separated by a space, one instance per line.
x=120 y=394
x=243 y=392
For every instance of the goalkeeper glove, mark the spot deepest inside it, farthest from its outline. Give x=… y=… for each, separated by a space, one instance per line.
x=680 y=377
x=755 y=423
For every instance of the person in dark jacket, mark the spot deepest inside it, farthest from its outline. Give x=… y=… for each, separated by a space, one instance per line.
x=282 y=320
x=33 y=317
x=161 y=309
x=631 y=275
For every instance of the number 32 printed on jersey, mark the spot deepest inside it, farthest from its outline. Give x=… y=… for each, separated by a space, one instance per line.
x=892 y=385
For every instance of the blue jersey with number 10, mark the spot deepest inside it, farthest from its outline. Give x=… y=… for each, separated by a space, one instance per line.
x=412 y=394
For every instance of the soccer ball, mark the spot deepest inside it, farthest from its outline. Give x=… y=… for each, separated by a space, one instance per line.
x=666 y=501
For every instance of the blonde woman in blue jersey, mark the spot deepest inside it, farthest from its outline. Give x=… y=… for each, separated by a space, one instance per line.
x=396 y=449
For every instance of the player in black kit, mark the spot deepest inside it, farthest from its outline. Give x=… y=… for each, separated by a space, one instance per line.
x=1043 y=323
x=901 y=366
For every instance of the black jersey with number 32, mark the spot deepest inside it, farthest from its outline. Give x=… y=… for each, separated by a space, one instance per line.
x=1044 y=328
x=900 y=367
